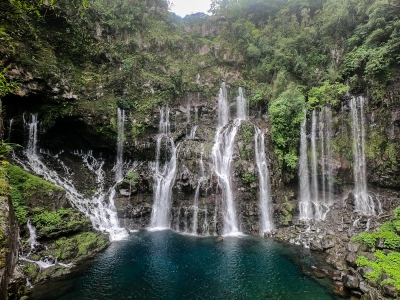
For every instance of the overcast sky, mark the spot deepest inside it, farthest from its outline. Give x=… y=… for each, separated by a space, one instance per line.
x=187 y=7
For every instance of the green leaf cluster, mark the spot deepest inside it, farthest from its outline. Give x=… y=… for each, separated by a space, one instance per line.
x=326 y=95
x=286 y=114
x=388 y=231
x=384 y=264
x=6 y=86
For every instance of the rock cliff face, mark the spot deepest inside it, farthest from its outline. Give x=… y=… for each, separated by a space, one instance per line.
x=9 y=244
x=193 y=126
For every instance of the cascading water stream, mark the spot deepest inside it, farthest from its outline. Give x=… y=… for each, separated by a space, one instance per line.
x=223 y=106
x=120 y=145
x=328 y=123
x=321 y=136
x=241 y=105
x=363 y=201
x=103 y=215
x=222 y=153
x=264 y=181
x=305 y=205
x=196 y=197
x=314 y=202
x=32 y=235
x=164 y=175
x=314 y=167
x=10 y=124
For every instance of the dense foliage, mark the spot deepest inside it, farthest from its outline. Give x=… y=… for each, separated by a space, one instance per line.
x=286 y=113
x=137 y=55
x=388 y=264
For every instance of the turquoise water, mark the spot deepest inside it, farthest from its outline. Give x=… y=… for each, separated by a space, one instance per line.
x=166 y=265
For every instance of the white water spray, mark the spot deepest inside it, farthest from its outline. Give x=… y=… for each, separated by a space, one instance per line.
x=120 y=145
x=264 y=181
x=363 y=201
x=103 y=215
x=241 y=105
x=196 y=197
x=32 y=235
x=164 y=175
x=305 y=206
x=222 y=154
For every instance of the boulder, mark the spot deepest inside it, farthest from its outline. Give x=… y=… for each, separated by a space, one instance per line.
x=328 y=243
x=389 y=291
x=352 y=247
x=351 y=259
x=380 y=243
x=351 y=282
x=338 y=289
x=316 y=245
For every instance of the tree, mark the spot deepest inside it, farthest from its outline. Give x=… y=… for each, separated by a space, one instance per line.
x=286 y=114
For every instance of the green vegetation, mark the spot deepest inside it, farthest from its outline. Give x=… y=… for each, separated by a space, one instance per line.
x=248 y=178
x=6 y=86
x=384 y=264
x=286 y=114
x=326 y=95
x=23 y=187
x=388 y=264
x=136 y=55
x=132 y=178
x=51 y=224
x=246 y=138
x=72 y=248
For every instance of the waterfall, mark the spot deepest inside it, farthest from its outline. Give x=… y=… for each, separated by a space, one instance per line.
x=326 y=152
x=103 y=216
x=32 y=140
x=206 y=227
x=363 y=201
x=32 y=235
x=313 y=203
x=321 y=136
x=10 y=129
x=120 y=146
x=265 y=184
x=314 y=167
x=192 y=133
x=196 y=197
x=223 y=106
x=305 y=197
x=222 y=154
x=241 y=105
x=164 y=175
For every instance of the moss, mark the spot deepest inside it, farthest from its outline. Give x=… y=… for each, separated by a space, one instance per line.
x=4 y=186
x=78 y=246
x=51 y=224
x=31 y=270
x=23 y=186
x=248 y=178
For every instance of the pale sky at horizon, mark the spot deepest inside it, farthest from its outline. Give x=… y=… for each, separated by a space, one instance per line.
x=187 y=7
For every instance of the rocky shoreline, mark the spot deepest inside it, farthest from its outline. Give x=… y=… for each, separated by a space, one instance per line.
x=334 y=237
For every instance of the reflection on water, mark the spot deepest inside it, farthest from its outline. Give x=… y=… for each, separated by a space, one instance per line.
x=166 y=265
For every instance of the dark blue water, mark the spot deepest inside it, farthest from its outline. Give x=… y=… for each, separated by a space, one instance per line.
x=166 y=265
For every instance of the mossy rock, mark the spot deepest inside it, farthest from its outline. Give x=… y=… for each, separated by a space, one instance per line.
x=28 y=190
x=52 y=224
x=79 y=246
